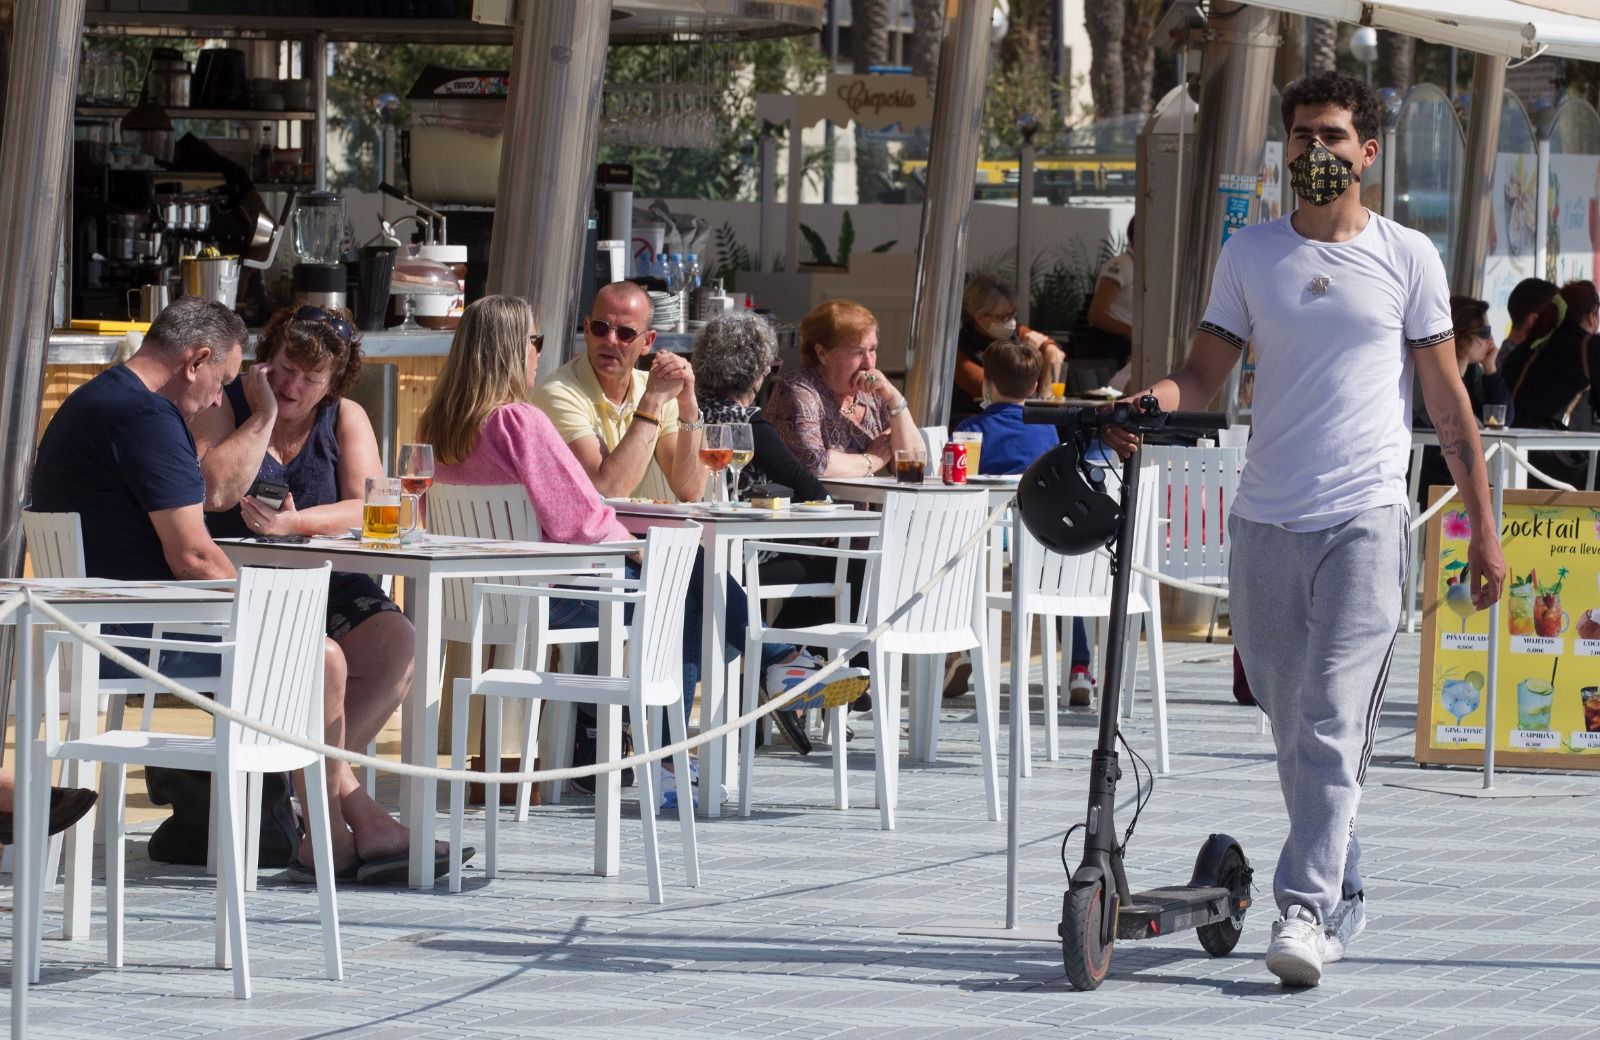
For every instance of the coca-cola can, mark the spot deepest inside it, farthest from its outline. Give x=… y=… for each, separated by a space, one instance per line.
x=953 y=463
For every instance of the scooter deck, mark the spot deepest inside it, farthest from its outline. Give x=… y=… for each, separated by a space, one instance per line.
x=1162 y=911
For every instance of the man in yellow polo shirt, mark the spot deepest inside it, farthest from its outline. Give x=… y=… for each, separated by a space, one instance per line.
x=637 y=433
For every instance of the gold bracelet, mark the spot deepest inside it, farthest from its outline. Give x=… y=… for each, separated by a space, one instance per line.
x=647 y=417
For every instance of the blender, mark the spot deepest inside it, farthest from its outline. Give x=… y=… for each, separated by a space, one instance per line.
x=319 y=277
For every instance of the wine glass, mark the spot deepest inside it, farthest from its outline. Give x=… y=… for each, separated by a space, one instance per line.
x=415 y=470
x=716 y=452
x=742 y=439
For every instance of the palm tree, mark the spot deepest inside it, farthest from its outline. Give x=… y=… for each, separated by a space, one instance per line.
x=1322 y=45
x=1107 y=81
x=1396 y=60
x=1138 y=54
x=928 y=16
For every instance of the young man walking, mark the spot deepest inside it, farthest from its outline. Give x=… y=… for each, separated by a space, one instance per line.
x=1342 y=306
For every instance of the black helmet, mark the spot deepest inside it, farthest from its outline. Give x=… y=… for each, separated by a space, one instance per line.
x=1064 y=502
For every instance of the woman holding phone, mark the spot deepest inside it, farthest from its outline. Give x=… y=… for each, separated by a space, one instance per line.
x=285 y=454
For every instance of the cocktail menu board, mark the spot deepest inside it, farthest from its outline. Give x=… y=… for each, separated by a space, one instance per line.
x=1547 y=695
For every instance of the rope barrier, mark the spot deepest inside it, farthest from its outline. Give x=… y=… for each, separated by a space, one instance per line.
x=356 y=758
x=1559 y=485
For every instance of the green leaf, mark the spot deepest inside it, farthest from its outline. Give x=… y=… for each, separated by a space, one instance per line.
x=819 y=248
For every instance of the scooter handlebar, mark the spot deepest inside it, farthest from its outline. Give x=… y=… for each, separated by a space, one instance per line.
x=1140 y=416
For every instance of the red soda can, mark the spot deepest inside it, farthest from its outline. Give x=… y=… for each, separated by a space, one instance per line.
x=953 y=463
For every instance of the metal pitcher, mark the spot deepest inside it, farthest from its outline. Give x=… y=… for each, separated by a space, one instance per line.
x=216 y=277
x=153 y=299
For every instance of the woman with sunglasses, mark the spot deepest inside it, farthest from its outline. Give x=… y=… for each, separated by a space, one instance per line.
x=484 y=431
x=287 y=420
x=1477 y=360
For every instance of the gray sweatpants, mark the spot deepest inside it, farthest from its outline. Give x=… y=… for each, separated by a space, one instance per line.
x=1315 y=616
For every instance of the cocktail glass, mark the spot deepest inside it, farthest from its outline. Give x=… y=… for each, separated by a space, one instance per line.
x=1534 y=697
x=1461 y=697
x=1520 y=602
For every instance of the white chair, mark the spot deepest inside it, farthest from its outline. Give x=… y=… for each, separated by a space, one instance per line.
x=272 y=670
x=503 y=511
x=1049 y=585
x=1194 y=491
x=653 y=682
x=921 y=531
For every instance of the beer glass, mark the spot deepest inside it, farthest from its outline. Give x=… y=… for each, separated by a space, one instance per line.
x=380 y=513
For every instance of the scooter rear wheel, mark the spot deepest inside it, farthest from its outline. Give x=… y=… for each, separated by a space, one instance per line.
x=1087 y=957
x=1219 y=938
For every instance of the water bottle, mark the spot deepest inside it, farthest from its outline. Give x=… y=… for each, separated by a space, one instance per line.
x=693 y=273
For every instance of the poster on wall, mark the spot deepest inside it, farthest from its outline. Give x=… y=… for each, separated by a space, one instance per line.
x=1572 y=248
x=1547 y=696
x=1512 y=234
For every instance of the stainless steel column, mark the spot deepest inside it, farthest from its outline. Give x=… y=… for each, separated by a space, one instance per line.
x=942 y=247
x=558 y=63
x=41 y=86
x=1230 y=133
x=1483 y=141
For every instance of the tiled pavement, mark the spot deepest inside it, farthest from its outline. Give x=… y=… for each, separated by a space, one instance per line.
x=1482 y=917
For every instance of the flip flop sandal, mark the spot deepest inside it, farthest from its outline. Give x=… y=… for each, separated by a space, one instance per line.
x=300 y=874
x=395 y=870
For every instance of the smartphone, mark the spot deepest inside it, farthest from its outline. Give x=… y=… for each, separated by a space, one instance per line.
x=281 y=539
x=270 y=493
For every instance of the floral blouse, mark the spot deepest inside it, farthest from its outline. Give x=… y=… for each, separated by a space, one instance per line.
x=802 y=408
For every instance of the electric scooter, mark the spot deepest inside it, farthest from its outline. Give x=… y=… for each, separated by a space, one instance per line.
x=1064 y=504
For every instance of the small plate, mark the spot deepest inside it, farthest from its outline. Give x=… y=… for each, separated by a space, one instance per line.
x=405 y=539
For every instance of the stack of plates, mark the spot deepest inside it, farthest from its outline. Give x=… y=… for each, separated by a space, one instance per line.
x=668 y=308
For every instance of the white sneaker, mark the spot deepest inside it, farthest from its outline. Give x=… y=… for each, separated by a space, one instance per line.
x=1349 y=919
x=1298 y=948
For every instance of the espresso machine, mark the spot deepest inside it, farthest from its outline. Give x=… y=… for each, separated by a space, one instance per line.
x=319 y=233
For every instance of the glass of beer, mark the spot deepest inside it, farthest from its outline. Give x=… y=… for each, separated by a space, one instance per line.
x=973 y=439
x=380 y=513
x=910 y=465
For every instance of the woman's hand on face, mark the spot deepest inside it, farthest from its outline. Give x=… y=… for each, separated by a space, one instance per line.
x=877 y=384
x=263 y=520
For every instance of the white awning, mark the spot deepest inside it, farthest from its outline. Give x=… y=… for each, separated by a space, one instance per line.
x=1513 y=28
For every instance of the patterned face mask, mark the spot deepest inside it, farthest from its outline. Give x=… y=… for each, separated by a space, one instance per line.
x=1318 y=176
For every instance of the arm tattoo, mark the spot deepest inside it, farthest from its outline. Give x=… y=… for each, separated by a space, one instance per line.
x=1451 y=442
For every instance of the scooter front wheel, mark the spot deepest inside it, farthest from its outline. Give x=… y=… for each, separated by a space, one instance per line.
x=1086 y=955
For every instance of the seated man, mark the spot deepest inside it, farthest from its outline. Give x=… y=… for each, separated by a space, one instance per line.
x=635 y=432
x=120 y=454
x=1010 y=372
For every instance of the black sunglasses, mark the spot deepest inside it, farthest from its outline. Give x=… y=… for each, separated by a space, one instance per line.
x=600 y=329
x=340 y=327
x=537 y=339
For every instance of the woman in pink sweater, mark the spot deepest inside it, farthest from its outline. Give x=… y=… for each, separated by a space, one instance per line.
x=483 y=431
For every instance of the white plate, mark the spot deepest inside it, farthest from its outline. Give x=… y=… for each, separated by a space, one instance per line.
x=405 y=539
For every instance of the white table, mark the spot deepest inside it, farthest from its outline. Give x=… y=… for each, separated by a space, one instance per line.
x=723 y=532
x=923 y=746
x=87 y=601
x=425 y=564
x=1522 y=439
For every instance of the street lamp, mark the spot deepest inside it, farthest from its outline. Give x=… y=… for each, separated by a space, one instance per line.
x=1364 y=48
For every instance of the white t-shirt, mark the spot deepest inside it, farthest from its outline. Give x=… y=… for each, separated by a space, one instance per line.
x=1331 y=423
x=1119 y=269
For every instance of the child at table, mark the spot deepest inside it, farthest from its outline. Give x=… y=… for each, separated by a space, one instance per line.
x=1010 y=372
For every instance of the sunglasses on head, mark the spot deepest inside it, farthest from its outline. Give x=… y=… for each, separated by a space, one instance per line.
x=340 y=327
x=600 y=329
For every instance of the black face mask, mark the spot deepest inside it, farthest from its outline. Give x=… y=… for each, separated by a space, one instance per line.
x=1318 y=176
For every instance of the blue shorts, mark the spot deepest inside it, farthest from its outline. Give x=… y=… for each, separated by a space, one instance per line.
x=175 y=664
